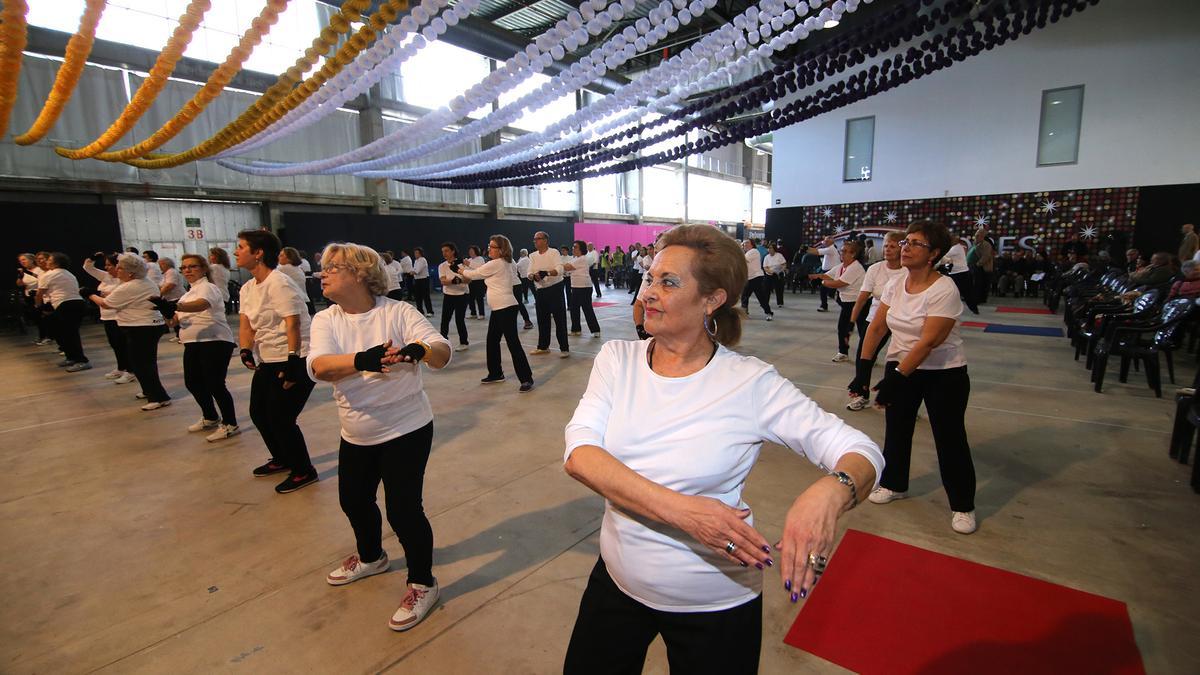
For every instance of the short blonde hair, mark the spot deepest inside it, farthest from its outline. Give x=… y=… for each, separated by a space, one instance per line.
x=894 y=235
x=720 y=263
x=366 y=263
x=132 y=264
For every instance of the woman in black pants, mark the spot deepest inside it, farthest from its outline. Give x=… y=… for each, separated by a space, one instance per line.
x=478 y=286
x=497 y=273
x=580 y=293
x=106 y=277
x=421 y=281
x=59 y=289
x=454 y=295
x=925 y=362
x=141 y=324
x=207 y=345
x=273 y=334
x=845 y=280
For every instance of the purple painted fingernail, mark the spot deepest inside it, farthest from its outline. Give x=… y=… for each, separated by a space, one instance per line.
x=770 y=562
x=787 y=584
x=803 y=593
x=744 y=564
x=758 y=565
x=766 y=549
x=793 y=597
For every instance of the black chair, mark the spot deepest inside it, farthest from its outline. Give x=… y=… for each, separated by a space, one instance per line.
x=1144 y=343
x=1094 y=326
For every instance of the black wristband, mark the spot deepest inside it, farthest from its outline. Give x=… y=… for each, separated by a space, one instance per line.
x=414 y=351
x=370 y=360
x=294 y=371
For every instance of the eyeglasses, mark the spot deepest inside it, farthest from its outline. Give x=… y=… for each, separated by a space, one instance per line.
x=190 y=267
x=493 y=246
x=336 y=268
x=914 y=242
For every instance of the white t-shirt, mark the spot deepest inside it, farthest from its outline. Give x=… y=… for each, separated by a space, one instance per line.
x=296 y=274
x=703 y=446
x=376 y=407
x=393 y=273
x=30 y=279
x=754 y=268
x=421 y=269
x=523 y=267
x=497 y=274
x=131 y=300
x=906 y=317
x=550 y=261
x=178 y=284
x=877 y=278
x=208 y=325
x=154 y=273
x=593 y=259
x=305 y=266
x=58 y=286
x=851 y=274
x=406 y=265
x=220 y=279
x=581 y=276
x=774 y=263
x=956 y=257
x=265 y=305
x=450 y=288
x=107 y=283
x=830 y=257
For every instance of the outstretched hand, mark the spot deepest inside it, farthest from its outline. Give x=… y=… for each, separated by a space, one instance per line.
x=809 y=530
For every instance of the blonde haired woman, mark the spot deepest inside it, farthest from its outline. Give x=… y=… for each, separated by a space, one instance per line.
x=371 y=348
x=679 y=554
x=497 y=274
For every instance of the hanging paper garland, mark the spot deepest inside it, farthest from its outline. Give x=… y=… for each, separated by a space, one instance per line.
x=164 y=65
x=12 y=44
x=78 y=48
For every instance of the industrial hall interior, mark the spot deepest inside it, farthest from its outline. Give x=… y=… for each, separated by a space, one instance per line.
x=600 y=336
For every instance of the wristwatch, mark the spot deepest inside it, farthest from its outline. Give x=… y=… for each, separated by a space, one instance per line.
x=845 y=479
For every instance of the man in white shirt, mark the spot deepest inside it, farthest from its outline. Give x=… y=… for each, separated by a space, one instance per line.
x=830 y=258
x=546 y=273
x=754 y=279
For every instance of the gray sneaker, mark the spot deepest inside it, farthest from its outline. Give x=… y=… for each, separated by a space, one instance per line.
x=76 y=367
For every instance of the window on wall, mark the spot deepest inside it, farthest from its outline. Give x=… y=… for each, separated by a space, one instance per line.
x=860 y=149
x=1058 y=133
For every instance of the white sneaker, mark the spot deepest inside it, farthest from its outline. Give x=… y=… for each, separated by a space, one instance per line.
x=840 y=358
x=43 y=342
x=770 y=317
x=563 y=355
x=175 y=340
x=575 y=333
x=204 y=425
x=538 y=352
x=882 y=495
x=155 y=405
x=415 y=606
x=223 y=431
x=353 y=569
x=140 y=395
x=596 y=334
x=124 y=378
x=462 y=348
x=857 y=403
x=113 y=374
x=963 y=523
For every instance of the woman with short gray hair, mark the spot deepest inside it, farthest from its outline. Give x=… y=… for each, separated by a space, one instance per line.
x=59 y=288
x=142 y=325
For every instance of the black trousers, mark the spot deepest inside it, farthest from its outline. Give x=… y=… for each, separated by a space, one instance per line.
x=963 y=281
x=205 y=365
x=503 y=324
x=763 y=294
x=945 y=393
x=396 y=294
x=142 y=351
x=477 y=290
x=846 y=326
x=551 y=305
x=864 y=389
x=825 y=292
x=581 y=299
x=274 y=411
x=400 y=464
x=777 y=283
x=421 y=295
x=595 y=275
x=518 y=291
x=116 y=341
x=35 y=315
x=981 y=279
x=66 y=319
x=613 y=631
x=455 y=305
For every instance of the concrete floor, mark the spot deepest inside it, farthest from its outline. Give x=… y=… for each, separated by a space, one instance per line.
x=132 y=546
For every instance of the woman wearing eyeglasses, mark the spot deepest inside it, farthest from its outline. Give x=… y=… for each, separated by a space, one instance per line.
x=846 y=280
x=925 y=363
x=878 y=277
x=497 y=273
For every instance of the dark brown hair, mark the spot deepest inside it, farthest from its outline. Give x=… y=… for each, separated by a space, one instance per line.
x=264 y=241
x=936 y=233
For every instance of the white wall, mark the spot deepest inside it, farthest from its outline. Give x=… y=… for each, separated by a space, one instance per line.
x=972 y=129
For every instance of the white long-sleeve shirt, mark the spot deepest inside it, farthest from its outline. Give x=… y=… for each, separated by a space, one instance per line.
x=497 y=275
x=376 y=407
x=581 y=276
x=107 y=283
x=523 y=267
x=830 y=257
x=421 y=268
x=406 y=265
x=698 y=435
x=550 y=261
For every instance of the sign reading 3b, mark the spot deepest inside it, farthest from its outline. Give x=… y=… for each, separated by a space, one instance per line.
x=192 y=229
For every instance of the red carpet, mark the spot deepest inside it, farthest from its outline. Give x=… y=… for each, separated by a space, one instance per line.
x=973 y=324
x=1023 y=310
x=887 y=607
x=604 y=304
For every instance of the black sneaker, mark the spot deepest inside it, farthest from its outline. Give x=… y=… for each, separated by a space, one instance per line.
x=293 y=483
x=526 y=387
x=271 y=467
x=491 y=380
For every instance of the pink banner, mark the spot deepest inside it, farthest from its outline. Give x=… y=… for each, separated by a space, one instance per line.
x=617 y=234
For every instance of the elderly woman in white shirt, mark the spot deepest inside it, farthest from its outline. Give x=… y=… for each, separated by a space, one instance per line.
x=925 y=363
x=289 y=264
x=108 y=281
x=218 y=272
x=371 y=348
x=59 y=288
x=845 y=279
x=141 y=324
x=878 y=277
x=497 y=274
x=679 y=553
x=775 y=265
x=579 y=271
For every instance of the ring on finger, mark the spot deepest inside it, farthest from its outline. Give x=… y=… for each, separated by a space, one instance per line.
x=818 y=562
x=730 y=548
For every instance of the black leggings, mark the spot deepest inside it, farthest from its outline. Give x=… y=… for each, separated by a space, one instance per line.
x=456 y=306
x=846 y=326
x=142 y=351
x=67 y=317
x=503 y=324
x=274 y=411
x=517 y=293
x=776 y=282
x=945 y=393
x=761 y=292
x=400 y=464
x=581 y=299
x=478 y=289
x=116 y=341
x=421 y=295
x=613 y=631
x=204 y=367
